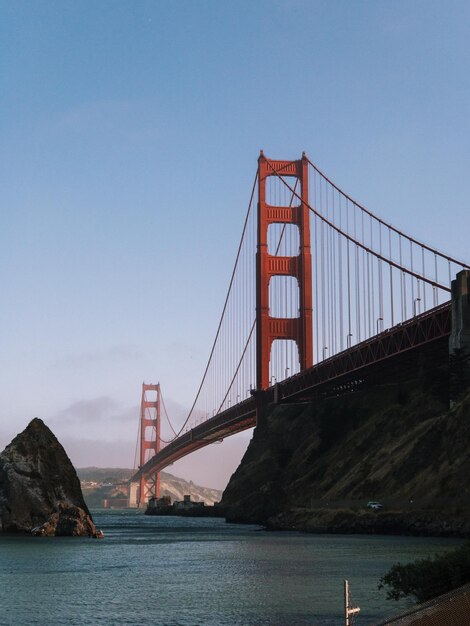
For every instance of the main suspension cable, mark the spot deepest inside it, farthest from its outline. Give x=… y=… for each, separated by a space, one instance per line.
x=166 y=414
x=361 y=245
x=254 y=321
x=224 y=307
x=378 y=219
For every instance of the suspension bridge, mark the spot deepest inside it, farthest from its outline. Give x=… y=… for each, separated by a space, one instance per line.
x=321 y=294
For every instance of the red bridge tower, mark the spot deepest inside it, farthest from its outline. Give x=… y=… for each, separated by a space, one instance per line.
x=149 y=486
x=268 y=328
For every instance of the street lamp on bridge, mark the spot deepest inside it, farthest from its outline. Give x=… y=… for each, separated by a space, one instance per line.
x=379 y=319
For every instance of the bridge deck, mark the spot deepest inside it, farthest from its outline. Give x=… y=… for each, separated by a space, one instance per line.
x=336 y=371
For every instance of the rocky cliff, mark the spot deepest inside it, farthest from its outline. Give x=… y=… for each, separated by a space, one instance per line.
x=39 y=488
x=314 y=466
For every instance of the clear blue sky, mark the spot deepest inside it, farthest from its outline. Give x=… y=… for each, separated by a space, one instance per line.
x=129 y=137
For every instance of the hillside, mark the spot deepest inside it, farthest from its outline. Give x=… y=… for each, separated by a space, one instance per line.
x=314 y=466
x=108 y=483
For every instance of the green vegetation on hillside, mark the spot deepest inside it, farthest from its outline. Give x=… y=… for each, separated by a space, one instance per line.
x=111 y=484
x=427 y=578
x=105 y=474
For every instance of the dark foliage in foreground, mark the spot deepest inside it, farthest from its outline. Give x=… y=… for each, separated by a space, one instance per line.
x=427 y=578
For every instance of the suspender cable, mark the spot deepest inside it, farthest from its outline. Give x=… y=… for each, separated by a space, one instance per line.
x=224 y=307
x=360 y=245
x=378 y=219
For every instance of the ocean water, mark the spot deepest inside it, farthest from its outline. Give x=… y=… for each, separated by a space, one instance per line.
x=174 y=571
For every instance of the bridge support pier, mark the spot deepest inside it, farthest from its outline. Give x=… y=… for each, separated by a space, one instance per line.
x=459 y=340
x=133 y=495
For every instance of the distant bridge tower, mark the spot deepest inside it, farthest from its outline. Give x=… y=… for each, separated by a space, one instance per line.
x=269 y=329
x=149 y=486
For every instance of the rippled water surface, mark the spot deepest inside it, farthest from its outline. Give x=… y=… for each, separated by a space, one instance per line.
x=173 y=571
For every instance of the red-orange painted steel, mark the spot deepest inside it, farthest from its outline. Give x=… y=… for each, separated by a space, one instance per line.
x=149 y=485
x=268 y=328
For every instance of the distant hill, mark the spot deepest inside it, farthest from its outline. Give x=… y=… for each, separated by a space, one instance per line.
x=100 y=483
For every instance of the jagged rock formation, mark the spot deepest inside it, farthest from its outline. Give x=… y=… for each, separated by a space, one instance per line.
x=39 y=488
x=315 y=466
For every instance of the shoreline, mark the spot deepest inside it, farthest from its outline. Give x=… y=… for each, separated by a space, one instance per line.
x=421 y=523
x=417 y=523
x=203 y=511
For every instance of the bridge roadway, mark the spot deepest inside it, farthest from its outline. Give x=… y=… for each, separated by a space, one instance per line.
x=337 y=372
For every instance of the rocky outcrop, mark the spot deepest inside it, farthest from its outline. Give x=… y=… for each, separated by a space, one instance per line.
x=39 y=488
x=314 y=466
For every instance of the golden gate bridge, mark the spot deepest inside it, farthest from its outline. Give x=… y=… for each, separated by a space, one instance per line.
x=322 y=290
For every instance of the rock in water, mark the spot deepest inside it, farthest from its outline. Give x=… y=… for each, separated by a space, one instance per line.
x=39 y=489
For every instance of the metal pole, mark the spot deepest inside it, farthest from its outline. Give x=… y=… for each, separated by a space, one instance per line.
x=348 y=610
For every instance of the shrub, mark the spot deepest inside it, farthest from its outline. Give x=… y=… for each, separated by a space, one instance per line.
x=427 y=578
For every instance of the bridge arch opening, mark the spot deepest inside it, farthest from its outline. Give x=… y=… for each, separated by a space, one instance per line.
x=284 y=360
x=283 y=239
x=151 y=395
x=279 y=194
x=284 y=297
x=150 y=433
